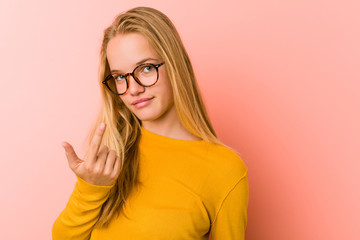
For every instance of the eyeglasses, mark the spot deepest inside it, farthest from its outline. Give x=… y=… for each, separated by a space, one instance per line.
x=145 y=74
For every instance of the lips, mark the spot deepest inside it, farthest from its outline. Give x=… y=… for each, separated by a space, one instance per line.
x=141 y=100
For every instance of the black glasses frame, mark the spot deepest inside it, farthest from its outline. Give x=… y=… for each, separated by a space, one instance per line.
x=109 y=77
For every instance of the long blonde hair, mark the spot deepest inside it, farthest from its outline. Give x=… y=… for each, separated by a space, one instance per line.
x=123 y=127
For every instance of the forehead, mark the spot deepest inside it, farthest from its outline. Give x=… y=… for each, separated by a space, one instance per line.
x=125 y=50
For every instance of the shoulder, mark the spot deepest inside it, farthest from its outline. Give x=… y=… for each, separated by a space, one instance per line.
x=226 y=163
x=224 y=169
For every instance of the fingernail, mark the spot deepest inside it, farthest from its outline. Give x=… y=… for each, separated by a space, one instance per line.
x=102 y=126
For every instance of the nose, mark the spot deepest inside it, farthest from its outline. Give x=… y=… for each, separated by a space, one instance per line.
x=134 y=88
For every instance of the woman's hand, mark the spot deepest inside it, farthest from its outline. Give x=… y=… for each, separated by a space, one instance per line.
x=100 y=166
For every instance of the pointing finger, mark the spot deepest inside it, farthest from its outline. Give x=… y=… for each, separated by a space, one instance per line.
x=95 y=143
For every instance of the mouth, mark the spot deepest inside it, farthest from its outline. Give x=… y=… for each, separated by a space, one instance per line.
x=142 y=102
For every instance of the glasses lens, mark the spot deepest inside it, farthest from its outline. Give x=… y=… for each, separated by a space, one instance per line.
x=146 y=74
x=117 y=84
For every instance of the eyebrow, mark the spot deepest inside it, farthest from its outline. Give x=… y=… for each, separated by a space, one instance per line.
x=138 y=63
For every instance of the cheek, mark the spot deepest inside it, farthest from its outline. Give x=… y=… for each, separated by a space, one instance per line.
x=124 y=100
x=169 y=91
x=168 y=98
x=166 y=88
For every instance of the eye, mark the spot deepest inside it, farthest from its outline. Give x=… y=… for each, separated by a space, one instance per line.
x=119 y=78
x=148 y=68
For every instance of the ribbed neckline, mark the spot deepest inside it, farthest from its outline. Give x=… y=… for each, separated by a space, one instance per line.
x=149 y=136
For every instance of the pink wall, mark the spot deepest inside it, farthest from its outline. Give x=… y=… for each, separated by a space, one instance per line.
x=280 y=79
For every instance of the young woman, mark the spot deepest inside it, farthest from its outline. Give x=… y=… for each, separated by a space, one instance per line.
x=155 y=168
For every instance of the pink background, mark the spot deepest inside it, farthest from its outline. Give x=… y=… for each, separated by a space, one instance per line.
x=280 y=80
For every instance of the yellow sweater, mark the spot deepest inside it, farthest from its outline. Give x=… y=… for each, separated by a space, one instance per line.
x=190 y=188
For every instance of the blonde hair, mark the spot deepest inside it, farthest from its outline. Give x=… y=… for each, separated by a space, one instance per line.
x=123 y=127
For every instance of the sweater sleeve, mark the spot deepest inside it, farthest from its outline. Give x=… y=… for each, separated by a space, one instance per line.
x=231 y=219
x=76 y=221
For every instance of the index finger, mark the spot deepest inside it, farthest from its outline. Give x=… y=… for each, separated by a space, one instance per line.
x=96 y=141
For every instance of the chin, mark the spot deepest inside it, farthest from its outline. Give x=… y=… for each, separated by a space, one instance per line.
x=147 y=116
x=147 y=119
x=151 y=113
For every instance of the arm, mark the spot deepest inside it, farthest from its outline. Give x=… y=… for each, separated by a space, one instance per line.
x=96 y=174
x=76 y=221
x=231 y=220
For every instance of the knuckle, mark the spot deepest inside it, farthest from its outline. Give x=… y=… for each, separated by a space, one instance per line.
x=112 y=153
x=116 y=172
x=95 y=143
x=98 y=133
x=105 y=148
x=94 y=147
x=113 y=177
x=88 y=170
x=107 y=174
x=97 y=169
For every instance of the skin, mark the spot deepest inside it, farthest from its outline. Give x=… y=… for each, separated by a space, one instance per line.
x=101 y=166
x=123 y=52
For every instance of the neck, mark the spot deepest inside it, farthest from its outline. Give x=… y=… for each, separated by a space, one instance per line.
x=169 y=126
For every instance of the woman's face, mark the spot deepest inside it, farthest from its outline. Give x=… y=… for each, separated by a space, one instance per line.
x=124 y=53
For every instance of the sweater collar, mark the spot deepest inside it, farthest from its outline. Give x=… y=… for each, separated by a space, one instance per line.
x=150 y=137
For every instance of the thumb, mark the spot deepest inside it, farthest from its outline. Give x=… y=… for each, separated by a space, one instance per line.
x=71 y=156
